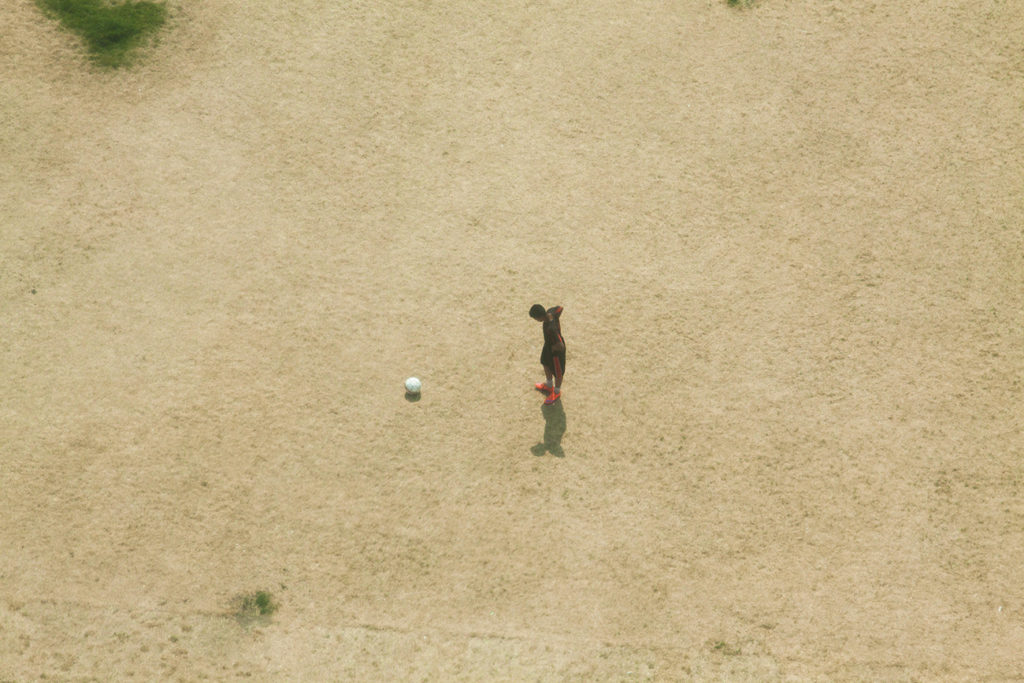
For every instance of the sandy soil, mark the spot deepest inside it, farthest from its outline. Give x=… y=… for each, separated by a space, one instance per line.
x=789 y=245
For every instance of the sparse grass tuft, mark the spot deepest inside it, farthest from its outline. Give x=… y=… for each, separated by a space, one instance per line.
x=261 y=602
x=724 y=648
x=110 y=31
x=253 y=607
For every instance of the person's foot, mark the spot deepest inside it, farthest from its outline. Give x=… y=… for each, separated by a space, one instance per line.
x=554 y=396
x=540 y=386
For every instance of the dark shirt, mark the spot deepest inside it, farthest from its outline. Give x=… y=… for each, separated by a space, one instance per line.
x=553 y=330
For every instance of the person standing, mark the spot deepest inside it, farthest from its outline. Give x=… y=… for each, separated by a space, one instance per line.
x=552 y=357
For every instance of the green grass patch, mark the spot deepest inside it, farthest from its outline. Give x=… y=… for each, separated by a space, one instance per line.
x=111 y=31
x=260 y=602
x=254 y=607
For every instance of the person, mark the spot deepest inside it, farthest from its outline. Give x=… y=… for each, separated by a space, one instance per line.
x=552 y=357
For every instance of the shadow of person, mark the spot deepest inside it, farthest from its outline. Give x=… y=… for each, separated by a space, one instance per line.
x=554 y=428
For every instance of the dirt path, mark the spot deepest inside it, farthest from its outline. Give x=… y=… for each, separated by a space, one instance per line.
x=789 y=245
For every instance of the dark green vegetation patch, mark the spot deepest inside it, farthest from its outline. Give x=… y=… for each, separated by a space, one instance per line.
x=256 y=607
x=110 y=31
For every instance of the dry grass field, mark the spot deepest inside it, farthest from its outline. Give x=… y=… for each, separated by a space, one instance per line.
x=789 y=240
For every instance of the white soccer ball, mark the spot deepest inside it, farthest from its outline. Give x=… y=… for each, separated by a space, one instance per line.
x=412 y=385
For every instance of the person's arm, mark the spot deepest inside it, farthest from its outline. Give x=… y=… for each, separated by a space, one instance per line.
x=557 y=345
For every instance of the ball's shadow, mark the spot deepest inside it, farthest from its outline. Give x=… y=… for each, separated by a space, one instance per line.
x=554 y=429
x=412 y=397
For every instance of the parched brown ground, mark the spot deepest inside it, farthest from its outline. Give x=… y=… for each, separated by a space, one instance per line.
x=789 y=245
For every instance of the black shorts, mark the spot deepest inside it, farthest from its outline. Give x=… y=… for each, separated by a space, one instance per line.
x=555 y=361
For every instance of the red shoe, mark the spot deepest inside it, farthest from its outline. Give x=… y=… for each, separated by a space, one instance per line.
x=555 y=395
x=540 y=386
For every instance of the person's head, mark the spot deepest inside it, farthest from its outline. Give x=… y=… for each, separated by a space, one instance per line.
x=537 y=312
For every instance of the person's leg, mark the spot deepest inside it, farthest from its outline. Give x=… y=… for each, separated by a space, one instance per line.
x=558 y=363
x=548 y=373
